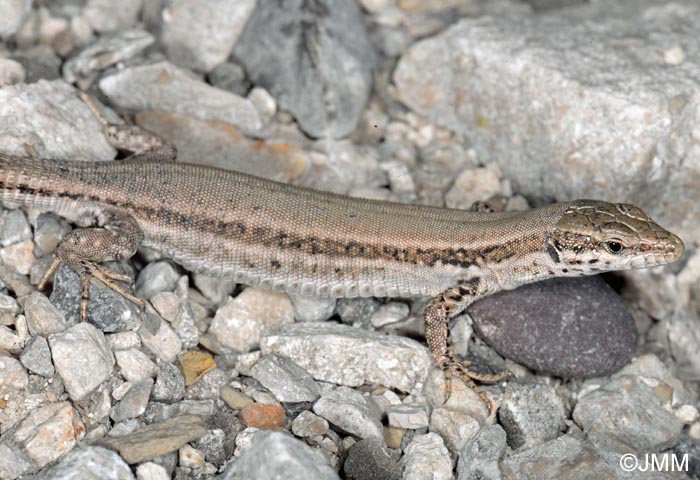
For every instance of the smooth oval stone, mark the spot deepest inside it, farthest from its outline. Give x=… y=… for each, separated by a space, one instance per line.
x=567 y=327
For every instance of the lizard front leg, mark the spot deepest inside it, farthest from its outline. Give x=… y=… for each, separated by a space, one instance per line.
x=116 y=237
x=438 y=313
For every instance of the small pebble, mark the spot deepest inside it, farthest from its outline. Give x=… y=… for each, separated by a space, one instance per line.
x=264 y=417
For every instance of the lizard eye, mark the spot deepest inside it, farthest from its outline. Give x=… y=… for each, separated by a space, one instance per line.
x=614 y=246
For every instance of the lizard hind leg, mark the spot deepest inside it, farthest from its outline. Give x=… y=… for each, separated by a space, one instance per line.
x=83 y=249
x=143 y=144
x=437 y=315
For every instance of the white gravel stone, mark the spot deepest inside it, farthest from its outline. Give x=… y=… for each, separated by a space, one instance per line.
x=427 y=458
x=351 y=412
x=312 y=309
x=244 y=320
x=13 y=376
x=15 y=12
x=409 y=416
x=307 y=424
x=10 y=342
x=687 y=413
x=202 y=35
x=389 y=313
x=151 y=471
x=82 y=358
x=454 y=426
x=8 y=304
x=37 y=357
x=49 y=432
x=42 y=317
x=352 y=356
x=135 y=365
x=285 y=379
x=160 y=338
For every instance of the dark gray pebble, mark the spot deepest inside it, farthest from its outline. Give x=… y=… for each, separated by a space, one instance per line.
x=567 y=327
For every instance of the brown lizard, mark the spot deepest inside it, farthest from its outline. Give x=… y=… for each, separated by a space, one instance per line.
x=293 y=239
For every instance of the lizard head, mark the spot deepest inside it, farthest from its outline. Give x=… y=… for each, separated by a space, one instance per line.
x=593 y=236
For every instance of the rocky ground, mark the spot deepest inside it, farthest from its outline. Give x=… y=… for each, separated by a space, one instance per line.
x=439 y=102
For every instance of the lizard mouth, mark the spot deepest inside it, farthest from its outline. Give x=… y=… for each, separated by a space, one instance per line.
x=658 y=252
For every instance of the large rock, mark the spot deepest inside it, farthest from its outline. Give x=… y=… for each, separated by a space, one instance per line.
x=598 y=101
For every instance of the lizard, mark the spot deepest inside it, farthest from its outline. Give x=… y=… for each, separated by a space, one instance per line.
x=260 y=232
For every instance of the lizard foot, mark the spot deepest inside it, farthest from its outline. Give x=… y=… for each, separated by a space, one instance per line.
x=453 y=368
x=87 y=271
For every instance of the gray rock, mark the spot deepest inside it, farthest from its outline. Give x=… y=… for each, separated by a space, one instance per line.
x=604 y=112
x=330 y=352
x=82 y=358
x=456 y=427
x=64 y=127
x=231 y=77
x=14 y=227
x=13 y=461
x=633 y=409
x=370 y=459
x=19 y=256
x=133 y=404
x=480 y=456
x=8 y=304
x=312 y=309
x=426 y=458
x=691 y=448
x=157 y=439
x=158 y=412
x=568 y=327
x=274 y=455
x=15 y=12
x=307 y=424
x=315 y=59
x=106 y=16
x=89 y=463
x=170 y=384
x=39 y=62
x=49 y=231
x=105 y=52
x=683 y=338
x=215 y=289
x=43 y=318
x=35 y=433
x=155 y=278
x=389 y=313
x=185 y=325
x=10 y=342
x=12 y=376
x=143 y=88
x=213 y=445
x=285 y=379
x=152 y=471
x=531 y=414
x=107 y=310
x=570 y=458
x=134 y=365
x=36 y=357
x=202 y=35
x=159 y=338
x=351 y=412
x=357 y=311
x=11 y=72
